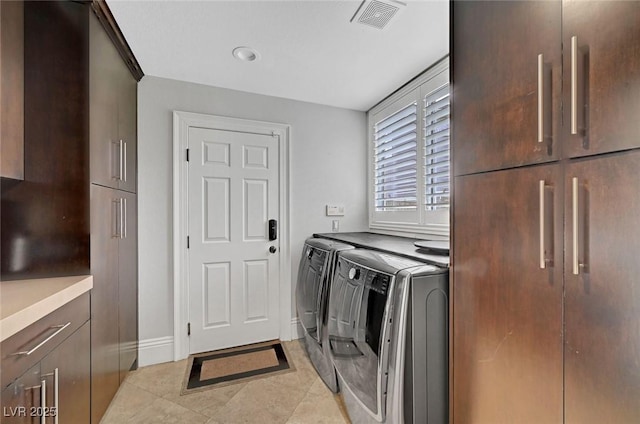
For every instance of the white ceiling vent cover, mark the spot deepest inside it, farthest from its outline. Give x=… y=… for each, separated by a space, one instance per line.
x=376 y=13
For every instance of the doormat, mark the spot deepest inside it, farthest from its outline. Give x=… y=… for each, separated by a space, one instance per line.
x=239 y=364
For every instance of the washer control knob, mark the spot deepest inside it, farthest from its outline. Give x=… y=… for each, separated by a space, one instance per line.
x=354 y=273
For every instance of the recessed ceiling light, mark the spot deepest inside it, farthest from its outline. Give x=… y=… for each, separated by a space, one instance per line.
x=246 y=54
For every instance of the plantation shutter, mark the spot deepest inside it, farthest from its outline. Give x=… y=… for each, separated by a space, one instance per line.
x=395 y=161
x=436 y=148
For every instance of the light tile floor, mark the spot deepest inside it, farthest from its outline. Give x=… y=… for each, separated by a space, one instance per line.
x=152 y=395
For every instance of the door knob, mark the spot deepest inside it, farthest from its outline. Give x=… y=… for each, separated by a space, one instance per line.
x=272 y=249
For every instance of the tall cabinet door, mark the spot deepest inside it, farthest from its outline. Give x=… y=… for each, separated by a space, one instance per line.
x=498 y=83
x=601 y=74
x=127 y=126
x=105 y=359
x=602 y=351
x=106 y=151
x=128 y=285
x=507 y=316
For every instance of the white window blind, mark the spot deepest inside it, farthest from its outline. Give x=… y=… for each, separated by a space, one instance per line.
x=409 y=171
x=395 y=161
x=436 y=148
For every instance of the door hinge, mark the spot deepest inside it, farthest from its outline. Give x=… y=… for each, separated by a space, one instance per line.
x=187 y=155
x=188 y=329
x=187 y=242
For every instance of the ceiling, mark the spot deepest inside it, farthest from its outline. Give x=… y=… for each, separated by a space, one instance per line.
x=309 y=50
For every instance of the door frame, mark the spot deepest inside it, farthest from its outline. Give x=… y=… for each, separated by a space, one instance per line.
x=182 y=121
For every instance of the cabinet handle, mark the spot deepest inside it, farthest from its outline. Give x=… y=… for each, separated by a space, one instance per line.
x=124 y=218
x=43 y=401
x=115 y=233
x=124 y=160
x=542 y=211
x=574 y=85
x=574 y=202
x=121 y=159
x=56 y=397
x=55 y=375
x=58 y=328
x=540 y=98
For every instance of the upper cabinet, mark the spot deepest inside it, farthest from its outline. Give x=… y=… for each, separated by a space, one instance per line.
x=12 y=89
x=539 y=81
x=113 y=133
x=507 y=77
x=601 y=66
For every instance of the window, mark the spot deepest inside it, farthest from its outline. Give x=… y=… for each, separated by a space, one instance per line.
x=436 y=149
x=409 y=156
x=395 y=161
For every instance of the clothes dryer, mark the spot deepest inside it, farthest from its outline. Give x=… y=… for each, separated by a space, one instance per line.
x=387 y=331
x=312 y=291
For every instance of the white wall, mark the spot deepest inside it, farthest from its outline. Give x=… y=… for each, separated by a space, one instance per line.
x=328 y=165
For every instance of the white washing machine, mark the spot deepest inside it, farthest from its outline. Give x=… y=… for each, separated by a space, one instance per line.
x=387 y=332
x=312 y=291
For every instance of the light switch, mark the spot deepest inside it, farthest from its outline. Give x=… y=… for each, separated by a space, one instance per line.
x=335 y=225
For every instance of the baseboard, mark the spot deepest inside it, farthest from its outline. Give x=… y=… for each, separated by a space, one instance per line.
x=296 y=329
x=155 y=351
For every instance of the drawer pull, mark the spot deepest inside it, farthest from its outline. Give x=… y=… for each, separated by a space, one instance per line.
x=58 y=328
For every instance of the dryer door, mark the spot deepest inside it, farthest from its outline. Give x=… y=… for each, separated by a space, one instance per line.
x=311 y=274
x=357 y=321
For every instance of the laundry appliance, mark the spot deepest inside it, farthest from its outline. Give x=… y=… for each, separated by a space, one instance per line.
x=312 y=291
x=387 y=332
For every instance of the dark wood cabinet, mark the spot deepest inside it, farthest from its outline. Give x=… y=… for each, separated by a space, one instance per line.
x=606 y=99
x=67 y=373
x=508 y=309
x=105 y=359
x=128 y=126
x=114 y=257
x=113 y=98
x=497 y=83
x=54 y=378
x=128 y=286
x=12 y=89
x=602 y=309
x=114 y=306
x=506 y=367
x=45 y=216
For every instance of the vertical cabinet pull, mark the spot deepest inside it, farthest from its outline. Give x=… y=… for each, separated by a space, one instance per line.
x=116 y=219
x=56 y=379
x=542 y=212
x=574 y=202
x=43 y=401
x=574 y=85
x=56 y=398
x=540 y=98
x=124 y=217
x=121 y=160
x=124 y=160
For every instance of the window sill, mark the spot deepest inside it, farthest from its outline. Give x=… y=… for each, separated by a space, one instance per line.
x=408 y=230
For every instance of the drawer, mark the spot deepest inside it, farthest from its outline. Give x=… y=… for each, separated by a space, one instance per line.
x=40 y=338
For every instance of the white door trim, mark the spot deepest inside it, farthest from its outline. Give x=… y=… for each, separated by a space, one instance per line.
x=181 y=123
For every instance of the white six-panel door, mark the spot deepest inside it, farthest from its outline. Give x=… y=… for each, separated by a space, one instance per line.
x=233 y=276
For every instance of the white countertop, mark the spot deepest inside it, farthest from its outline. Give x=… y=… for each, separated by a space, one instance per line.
x=23 y=302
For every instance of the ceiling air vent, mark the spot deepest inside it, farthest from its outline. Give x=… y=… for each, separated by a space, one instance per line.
x=376 y=13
